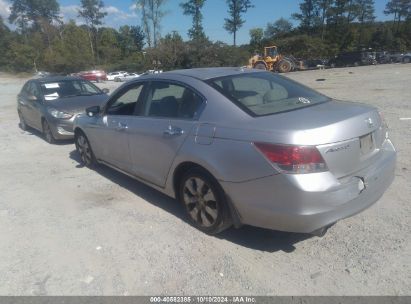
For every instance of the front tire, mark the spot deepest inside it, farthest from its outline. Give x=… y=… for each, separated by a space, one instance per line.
x=22 y=123
x=83 y=148
x=284 y=66
x=204 y=201
x=47 y=133
x=260 y=66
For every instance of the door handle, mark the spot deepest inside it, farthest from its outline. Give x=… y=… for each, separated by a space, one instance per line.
x=121 y=126
x=173 y=131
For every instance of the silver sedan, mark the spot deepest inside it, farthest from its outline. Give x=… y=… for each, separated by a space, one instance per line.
x=239 y=146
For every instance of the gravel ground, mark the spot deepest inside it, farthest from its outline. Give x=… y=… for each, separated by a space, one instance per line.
x=68 y=230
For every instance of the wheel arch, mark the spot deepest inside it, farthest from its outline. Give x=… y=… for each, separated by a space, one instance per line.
x=179 y=172
x=77 y=131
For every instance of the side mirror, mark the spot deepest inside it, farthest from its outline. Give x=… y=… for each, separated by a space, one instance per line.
x=93 y=111
x=32 y=98
x=106 y=91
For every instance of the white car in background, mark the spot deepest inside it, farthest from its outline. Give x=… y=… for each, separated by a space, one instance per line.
x=126 y=77
x=112 y=76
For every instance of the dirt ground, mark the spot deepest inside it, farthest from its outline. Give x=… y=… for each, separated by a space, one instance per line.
x=68 y=230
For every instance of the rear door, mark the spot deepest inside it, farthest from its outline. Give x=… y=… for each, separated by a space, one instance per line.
x=32 y=108
x=22 y=100
x=156 y=134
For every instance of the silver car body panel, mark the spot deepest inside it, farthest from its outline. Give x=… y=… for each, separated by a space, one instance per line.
x=221 y=140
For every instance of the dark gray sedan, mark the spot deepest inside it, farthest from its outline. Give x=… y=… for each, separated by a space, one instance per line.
x=50 y=104
x=240 y=146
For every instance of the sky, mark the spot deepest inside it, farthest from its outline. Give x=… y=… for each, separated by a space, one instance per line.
x=122 y=12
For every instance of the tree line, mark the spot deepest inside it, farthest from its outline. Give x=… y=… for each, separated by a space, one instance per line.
x=42 y=41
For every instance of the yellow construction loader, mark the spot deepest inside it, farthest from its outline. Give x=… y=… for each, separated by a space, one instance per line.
x=273 y=61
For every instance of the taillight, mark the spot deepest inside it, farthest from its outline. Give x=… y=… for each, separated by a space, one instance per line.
x=293 y=159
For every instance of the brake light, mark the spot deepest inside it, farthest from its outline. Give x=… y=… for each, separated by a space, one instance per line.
x=293 y=159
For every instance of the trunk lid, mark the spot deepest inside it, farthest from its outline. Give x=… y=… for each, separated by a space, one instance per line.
x=348 y=135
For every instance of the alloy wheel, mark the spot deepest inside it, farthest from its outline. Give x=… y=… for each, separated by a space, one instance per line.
x=84 y=150
x=48 y=135
x=200 y=201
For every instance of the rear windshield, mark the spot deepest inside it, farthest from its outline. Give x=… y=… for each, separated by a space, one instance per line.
x=262 y=94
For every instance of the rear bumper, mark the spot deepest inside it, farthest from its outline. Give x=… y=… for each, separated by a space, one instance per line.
x=305 y=203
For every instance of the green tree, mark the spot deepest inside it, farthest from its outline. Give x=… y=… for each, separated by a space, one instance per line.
x=38 y=13
x=71 y=50
x=401 y=9
x=170 y=52
x=152 y=13
x=35 y=11
x=193 y=8
x=236 y=8
x=4 y=42
x=109 y=48
x=308 y=15
x=256 y=38
x=93 y=14
x=131 y=39
x=323 y=8
x=278 y=28
x=366 y=15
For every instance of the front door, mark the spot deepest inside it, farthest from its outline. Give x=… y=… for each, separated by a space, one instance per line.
x=112 y=129
x=156 y=135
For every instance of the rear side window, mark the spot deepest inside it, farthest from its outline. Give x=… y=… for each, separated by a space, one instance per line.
x=33 y=90
x=172 y=101
x=262 y=94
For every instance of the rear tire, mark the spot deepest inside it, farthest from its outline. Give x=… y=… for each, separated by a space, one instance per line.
x=204 y=201
x=47 y=133
x=407 y=60
x=284 y=66
x=22 y=123
x=83 y=148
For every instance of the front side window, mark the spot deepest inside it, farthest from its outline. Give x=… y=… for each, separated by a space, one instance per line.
x=262 y=94
x=171 y=100
x=126 y=102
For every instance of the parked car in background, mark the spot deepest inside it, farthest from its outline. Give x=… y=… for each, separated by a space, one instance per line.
x=382 y=57
x=95 y=75
x=314 y=63
x=42 y=74
x=353 y=59
x=239 y=146
x=406 y=58
x=396 y=57
x=111 y=76
x=126 y=77
x=50 y=104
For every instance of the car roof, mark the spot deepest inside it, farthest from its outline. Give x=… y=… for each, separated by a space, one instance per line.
x=56 y=78
x=210 y=73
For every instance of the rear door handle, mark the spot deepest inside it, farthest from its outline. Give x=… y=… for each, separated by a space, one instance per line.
x=173 y=131
x=121 y=126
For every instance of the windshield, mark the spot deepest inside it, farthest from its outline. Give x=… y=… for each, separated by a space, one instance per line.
x=262 y=94
x=68 y=88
